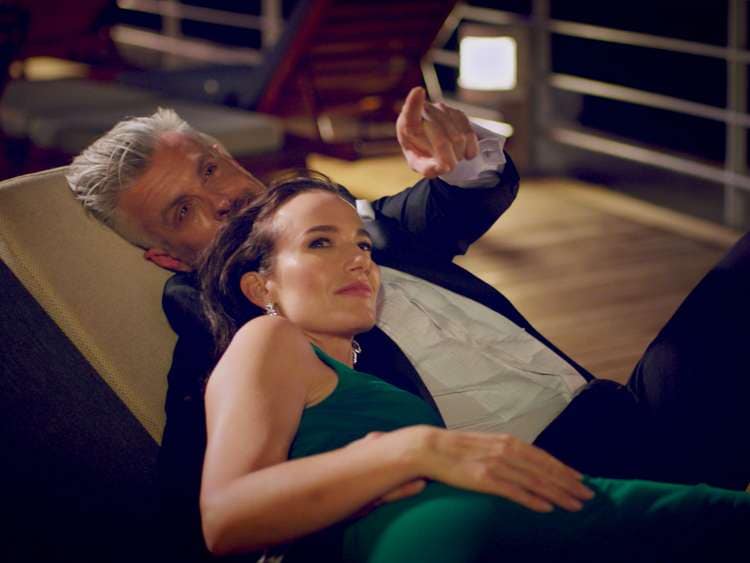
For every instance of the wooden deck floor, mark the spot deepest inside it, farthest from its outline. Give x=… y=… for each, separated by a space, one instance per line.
x=598 y=273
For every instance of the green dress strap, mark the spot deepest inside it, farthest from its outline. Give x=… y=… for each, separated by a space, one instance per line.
x=361 y=403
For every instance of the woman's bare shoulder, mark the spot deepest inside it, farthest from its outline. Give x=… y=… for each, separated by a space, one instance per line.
x=267 y=327
x=265 y=347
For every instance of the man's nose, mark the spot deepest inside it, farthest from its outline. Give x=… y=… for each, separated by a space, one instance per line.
x=222 y=207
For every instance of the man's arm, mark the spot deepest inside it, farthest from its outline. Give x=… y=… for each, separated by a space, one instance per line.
x=447 y=218
x=469 y=181
x=184 y=439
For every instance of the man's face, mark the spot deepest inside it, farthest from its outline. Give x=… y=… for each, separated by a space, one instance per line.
x=182 y=199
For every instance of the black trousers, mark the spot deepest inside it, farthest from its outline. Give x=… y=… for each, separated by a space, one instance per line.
x=684 y=415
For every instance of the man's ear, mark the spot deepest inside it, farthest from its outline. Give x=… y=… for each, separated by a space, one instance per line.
x=165 y=260
x=255 y=287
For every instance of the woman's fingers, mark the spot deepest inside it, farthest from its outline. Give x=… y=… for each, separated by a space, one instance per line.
x=536 y=461
x=503 y=465
x=541 y=473
x=404 y=491
x=517 y=494
x=536 y=485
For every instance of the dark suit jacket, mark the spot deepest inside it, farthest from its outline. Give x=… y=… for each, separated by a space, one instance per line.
x=418 y=231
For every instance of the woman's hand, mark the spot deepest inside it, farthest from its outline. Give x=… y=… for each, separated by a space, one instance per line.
x=497 y=464
x=404 y=490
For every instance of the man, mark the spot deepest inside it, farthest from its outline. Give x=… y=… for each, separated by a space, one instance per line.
x=177 y=188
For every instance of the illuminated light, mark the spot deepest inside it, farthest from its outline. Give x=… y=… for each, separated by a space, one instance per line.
x=488 y=63
x=370 y=103
x=49 y=68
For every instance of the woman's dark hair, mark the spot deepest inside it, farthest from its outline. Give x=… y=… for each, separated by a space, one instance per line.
x=246 y=244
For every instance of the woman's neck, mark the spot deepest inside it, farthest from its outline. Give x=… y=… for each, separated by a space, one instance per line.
x=338 y=347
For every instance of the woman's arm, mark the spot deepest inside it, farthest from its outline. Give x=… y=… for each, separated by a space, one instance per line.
x=253 y=497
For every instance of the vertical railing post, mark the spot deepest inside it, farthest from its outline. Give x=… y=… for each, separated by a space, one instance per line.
x=171 y=26
x=735 y=162
x=540 y=90
x=272 y=23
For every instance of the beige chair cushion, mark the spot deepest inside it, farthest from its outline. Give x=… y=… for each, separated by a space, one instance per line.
x=27 y=101
x=243 y=133
x=68 y=115
x=99 y=290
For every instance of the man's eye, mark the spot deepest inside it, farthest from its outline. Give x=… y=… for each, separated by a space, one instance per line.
x=209 y=170
x=366 y=246
x=320 y=243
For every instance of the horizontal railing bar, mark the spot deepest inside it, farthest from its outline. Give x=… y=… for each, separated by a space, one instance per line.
x=622 y=93
x=604 y=145
x=636 y=39
x=196 y=13
x=607 y=34
x=488 y=15
x=443 y=57
x=189 y=48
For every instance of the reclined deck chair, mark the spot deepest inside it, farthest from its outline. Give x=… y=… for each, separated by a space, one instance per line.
x=85 y=349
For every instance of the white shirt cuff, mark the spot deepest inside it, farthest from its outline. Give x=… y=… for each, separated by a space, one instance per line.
x=365 y=210
x=483 y=170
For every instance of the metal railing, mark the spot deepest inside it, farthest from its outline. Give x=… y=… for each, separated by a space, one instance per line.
x=170 y=39
x=542 y=83
x=732 y=175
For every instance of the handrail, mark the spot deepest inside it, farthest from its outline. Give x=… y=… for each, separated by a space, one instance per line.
x=637 y=39
x=488 y=15
x=197 y=13
x=443 y=57
x=630 y=151
x=194 y=48
x=733 y=114
x=171 y=41
x=646 y=98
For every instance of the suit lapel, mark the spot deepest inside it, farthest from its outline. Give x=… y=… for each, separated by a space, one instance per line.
x=382 y=357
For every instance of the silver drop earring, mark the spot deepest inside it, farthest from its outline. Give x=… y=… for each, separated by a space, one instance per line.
x=271 y=310
x=356 y=351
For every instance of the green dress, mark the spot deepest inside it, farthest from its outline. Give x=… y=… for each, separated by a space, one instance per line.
x=626 y=521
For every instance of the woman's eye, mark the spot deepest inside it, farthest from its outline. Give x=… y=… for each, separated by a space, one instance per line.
x=320 y=243
x=366 y=246
x=209 y=170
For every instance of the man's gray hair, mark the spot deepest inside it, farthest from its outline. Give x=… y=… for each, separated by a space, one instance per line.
x=112 y=163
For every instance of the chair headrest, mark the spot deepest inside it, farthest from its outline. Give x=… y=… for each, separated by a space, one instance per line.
x=98 y=288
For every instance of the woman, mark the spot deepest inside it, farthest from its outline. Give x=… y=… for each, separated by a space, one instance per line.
x=300 y=444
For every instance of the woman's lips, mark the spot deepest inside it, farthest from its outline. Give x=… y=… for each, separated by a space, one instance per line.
x=357 y=289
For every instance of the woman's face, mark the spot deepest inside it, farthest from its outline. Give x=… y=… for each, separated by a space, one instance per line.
x=322 y=275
